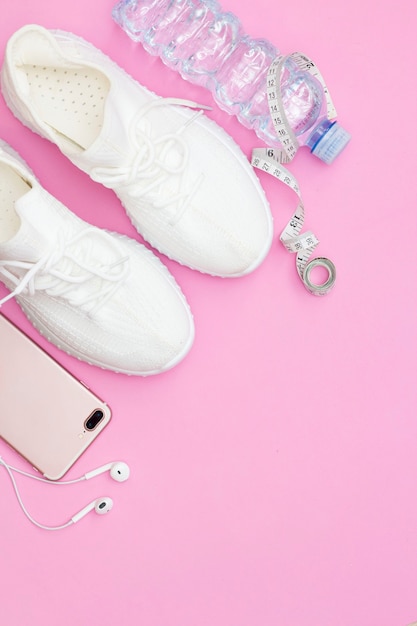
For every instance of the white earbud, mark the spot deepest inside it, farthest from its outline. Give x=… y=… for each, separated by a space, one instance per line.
x=100 y=506
x=118 y=471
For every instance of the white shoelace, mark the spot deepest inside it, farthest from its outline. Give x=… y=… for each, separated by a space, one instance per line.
x=61 y=273
x=151 y=162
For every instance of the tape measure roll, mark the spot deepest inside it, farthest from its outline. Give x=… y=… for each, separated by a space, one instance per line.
x=270 y=160
x=302 y=244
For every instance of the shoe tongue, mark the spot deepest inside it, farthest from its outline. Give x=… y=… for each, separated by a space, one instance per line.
x=29 y=243
x=113 y=146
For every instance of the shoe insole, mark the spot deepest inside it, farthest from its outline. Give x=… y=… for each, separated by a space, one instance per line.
x=70 y=100
x=12 y=187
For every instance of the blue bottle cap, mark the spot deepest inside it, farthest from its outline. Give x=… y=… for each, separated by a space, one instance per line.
x=331 y=142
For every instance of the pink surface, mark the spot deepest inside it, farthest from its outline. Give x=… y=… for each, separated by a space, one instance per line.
x=273 y=472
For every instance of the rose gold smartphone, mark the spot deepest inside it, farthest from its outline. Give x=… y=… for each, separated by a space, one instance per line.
x=46 y=415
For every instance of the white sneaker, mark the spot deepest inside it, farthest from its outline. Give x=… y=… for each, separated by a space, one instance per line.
x=101 y=297
x=186 y=186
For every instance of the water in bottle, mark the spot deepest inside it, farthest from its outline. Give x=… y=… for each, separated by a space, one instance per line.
x=208 y=47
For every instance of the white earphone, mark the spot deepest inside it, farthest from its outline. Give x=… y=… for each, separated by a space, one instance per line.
x=119 y=471
x=101 y=506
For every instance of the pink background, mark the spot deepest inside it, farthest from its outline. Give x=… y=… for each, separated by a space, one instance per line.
x=273 y=472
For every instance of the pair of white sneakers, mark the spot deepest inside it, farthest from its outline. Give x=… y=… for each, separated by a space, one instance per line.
x=186 y=186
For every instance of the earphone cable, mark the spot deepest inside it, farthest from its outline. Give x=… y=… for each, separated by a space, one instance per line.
x=22 y=506
x=40 y=479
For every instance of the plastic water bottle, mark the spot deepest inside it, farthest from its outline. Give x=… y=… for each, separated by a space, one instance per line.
x=209 y=48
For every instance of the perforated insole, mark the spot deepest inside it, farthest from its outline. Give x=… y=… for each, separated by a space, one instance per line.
x=70 y=101
x=12 y=187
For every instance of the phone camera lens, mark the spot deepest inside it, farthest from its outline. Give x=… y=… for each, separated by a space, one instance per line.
x=94 y=419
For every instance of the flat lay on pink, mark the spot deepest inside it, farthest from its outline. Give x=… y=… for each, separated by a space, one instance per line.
x=273 y=469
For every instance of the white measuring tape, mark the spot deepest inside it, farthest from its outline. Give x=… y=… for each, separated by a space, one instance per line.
x=270 y=160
